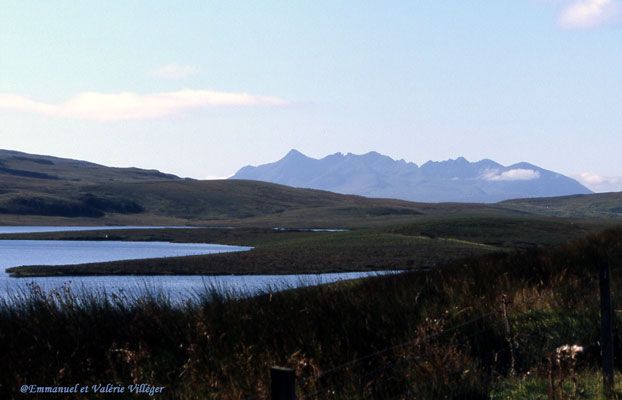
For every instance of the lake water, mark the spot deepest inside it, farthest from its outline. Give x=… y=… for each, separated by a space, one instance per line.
x=49 y=252
x=34 y=229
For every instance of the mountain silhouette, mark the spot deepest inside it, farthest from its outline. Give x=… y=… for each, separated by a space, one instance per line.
x=376 y=175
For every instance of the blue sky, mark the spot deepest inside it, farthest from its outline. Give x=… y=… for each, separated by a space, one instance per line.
x=202 y=88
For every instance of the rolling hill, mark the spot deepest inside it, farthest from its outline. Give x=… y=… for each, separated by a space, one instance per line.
x=37 y=189
x=46 y=190
x=15 y=166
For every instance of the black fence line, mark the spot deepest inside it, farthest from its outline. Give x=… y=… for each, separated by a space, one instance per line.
x=445 y=331
x=460 y=340
x=450 y=329
x=507 y=349
x=494 y=354
x=501 y=351
x=390 y=365
x=402 y=361
x=398 y=346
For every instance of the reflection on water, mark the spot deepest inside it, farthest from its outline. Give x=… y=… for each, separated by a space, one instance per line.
x=178 y=288
x=61 y=252
x=56 y=252
x=51 y=252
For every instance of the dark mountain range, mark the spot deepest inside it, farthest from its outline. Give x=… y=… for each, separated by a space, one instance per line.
x=376 y=175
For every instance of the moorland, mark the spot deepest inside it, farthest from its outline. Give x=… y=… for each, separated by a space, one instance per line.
x=489 y=293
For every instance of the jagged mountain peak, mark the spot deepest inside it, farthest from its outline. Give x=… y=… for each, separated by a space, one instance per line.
x=376 y=175
x=293 y=153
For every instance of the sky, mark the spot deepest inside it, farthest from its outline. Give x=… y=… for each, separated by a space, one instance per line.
x=203 y=88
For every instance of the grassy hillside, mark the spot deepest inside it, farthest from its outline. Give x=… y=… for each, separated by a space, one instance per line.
x=252 y=203
x=47 y=190
x=599 y=205
x=23 y=170
x=196 y=203
x=35 y=188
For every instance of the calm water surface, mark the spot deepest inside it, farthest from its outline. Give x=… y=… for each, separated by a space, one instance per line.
x=34 y=229
x=51 y=252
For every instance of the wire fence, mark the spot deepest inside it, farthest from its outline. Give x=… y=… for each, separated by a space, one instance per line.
x=551 y=343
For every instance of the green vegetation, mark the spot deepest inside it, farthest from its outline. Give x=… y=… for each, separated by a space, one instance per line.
x=23 y=165
x=41 y=190
x=47 y=190
x=221 y=347
x=428 y=333
x=315 y=253
x=507 y=232
x=584 y=385
x=599 y=205
x=430 y=242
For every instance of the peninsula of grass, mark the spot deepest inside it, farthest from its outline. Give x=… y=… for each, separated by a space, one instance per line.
x=308 y=254
x=428 y=335
x=428 y=243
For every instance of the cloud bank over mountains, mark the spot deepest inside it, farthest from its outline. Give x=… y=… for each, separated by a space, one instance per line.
x=600 y=183
x=376 y=175
x=518 y=174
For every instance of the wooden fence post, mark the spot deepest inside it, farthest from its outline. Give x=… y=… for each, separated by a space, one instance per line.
x=606 y=331
x=508 y=333
x=283 y=386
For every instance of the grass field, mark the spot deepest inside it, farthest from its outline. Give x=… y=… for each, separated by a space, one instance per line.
x=428 y=243
x=221 y=348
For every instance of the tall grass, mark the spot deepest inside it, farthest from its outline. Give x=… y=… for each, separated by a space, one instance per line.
x=443 y=328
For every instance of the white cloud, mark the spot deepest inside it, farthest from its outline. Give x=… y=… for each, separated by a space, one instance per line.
x=174 y=71
x=133 y=106
x=584 y=14
x=598 y=183
x=518 y=174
